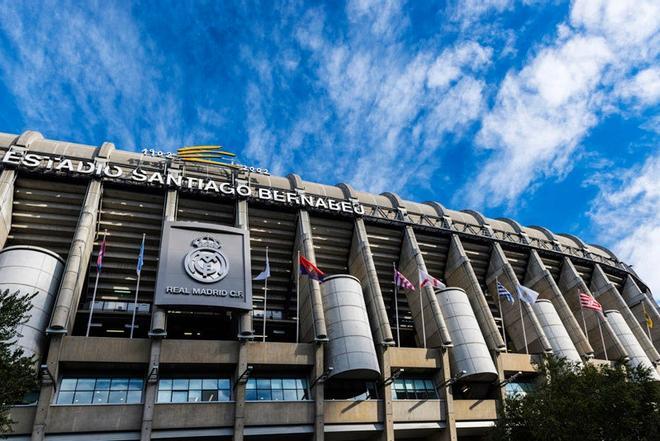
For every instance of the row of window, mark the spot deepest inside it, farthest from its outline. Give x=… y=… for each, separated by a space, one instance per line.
x=122 y=390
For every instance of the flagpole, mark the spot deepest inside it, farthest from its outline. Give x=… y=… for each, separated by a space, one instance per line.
x=522 y=321
x=499 y=303
x=396 y=306
x=96 y=285
x=263 y=334
x=137 y=289
x=602 y=339
x=298 y=298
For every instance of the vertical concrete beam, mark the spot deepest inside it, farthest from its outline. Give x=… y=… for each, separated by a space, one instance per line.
x=239 y=392
x=540 y=280
x=75 y=270
x=571 y=284
x=7 y=179
x=361 y=265
x=410 y=263
x=388 y=413
x=459 y=272
x=640 y=302
x=47 y=390
x=312 y=318
x=245 y=319
x=500 y=270
x=608 y=296
x=319 y=393
x=449 y=433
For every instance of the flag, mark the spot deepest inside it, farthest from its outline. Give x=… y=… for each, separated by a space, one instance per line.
x=310 y=270
x=99 y=259
x=647 y=317
x=504 y=294
x=527 y=295
x=266 y=272
x=400 y=280
x=588 y=302
x=140 y=260
x=427 y=279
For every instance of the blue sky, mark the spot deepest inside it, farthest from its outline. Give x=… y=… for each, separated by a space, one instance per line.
x=543 y=111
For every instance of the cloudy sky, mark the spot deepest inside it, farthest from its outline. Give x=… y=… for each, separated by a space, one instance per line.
x=543 y=111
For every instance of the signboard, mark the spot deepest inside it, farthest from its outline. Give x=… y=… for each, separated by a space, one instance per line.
x=204 y=265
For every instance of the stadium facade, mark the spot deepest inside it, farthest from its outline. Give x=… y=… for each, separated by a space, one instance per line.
x=203 y=351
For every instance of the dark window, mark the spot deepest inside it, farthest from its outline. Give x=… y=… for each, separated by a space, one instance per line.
x=355 y=390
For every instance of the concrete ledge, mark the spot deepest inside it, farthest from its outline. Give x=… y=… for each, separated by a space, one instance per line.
x=198 y=352
x=23 y=417
x=344 y=411
x=471 y=410
x=261 y=413
x=94 y=418
x=517 y=362
x=193 y=415
x=280 y=353
x=418 y=410
x=105 y=349
x=415 y=358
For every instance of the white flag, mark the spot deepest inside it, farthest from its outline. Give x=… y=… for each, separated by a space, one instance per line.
x=427 y=279
x=266 y=272
x=527 y=295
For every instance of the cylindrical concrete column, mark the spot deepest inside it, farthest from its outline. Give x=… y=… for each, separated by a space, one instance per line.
x=635 y=351
x=32 y=270
x=351 y=351
x=470 y=352
x=554 y=329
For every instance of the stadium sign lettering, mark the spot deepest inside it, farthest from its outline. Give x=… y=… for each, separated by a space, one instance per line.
x=172 y=178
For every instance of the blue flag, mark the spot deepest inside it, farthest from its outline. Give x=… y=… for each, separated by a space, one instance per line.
x=140 y=260
x=503 y=293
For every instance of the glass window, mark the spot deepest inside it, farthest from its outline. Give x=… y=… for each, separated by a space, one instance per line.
x=414 y=389
x=100 y=391
x=278 y=389
x=193 y=390
x=519 y=388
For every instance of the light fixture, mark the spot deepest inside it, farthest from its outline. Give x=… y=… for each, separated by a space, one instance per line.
x=243 y=378
x=396 y=374
x=46 y=377
x=511 y=379
x=321 y=378
x=453 y=379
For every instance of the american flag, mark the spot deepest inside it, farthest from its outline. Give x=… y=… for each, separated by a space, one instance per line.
x=427 y=279
x=588 y=302
x=400 y=280
x=503 y=293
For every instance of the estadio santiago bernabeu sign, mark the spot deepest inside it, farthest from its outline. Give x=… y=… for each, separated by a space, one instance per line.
x=173 y=179
x=204 y=265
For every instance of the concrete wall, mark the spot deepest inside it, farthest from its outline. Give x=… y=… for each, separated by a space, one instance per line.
x=193 y=415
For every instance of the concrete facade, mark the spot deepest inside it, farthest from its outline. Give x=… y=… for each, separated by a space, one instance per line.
x=64 y=209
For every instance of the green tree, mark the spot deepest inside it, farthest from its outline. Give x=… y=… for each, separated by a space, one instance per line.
x=17 y=371
x=573 y=402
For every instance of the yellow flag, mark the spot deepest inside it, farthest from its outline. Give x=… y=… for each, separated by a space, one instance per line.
x=647 y=317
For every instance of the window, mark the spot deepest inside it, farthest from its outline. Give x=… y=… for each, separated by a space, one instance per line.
x=193 y=390
x=277 y=389
x=105 y=390
x=518 y=388
x=414 y=389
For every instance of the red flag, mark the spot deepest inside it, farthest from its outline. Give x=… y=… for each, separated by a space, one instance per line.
x=310 y=270
x=99 y=260
x=588 y=302
x=400 y=280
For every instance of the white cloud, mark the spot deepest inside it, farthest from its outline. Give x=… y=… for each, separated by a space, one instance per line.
x=643 y=87
x=544 y=110
x=627 y=215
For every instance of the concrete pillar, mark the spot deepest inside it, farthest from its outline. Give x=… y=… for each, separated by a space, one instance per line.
x=312 y=318
x=449 y=434
x=239 y=392
x=410 y=263
x=245 y=326
x=319 y=395
x=47 y=389
x=540 y=280
x=635 y=351
x=640 y=302
x=459 y=272
x=7 y=179
x=500 y=270
x=388 y=413
x=361 y=265
x=571 y=284
x=554 y=329
x=75 y=270
x=608 y=296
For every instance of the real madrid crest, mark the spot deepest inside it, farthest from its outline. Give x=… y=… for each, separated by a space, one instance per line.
x=206 y=263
